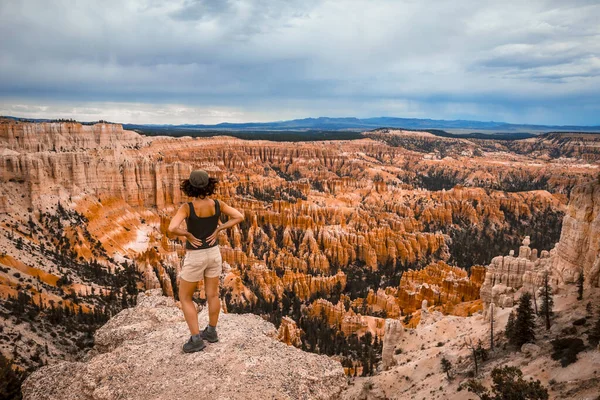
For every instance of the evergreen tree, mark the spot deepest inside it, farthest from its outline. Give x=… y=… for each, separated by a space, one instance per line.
x=492 y=326
x=547 y=302
x=446 y=366
x=580 y=281
x=509 y=331
x=478 y=353
x=594 y=334
x=524 y=328
x=10 y=380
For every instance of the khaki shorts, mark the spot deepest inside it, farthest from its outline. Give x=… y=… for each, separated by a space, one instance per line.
x=201 y=263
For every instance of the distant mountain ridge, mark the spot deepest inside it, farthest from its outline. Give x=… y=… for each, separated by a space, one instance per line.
x=361 y=124
x=351 y=123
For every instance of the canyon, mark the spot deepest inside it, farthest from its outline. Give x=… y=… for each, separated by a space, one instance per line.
x=339 y=235
x=140 y=342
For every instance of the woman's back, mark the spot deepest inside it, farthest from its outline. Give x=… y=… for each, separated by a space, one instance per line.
x=203 y=259
x=202 y=220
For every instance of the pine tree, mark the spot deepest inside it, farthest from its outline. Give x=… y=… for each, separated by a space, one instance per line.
x=524 y=330
x=478 y=353
x=509 y=331
x=10 y=380
x=446 y=366
x=594 y=334
x=580 y=281
x=547 y=302
x=492 y=326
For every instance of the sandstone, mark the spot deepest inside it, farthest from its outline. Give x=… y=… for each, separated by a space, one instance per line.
x=140 y=357
x=429 y=318
x=507 y=277
x=312 y=209
x=579 y=246
x=577 y=251
x=289 y=333
x=438 y=284
x=394 y=331
x=347 y=320
x=65 y=136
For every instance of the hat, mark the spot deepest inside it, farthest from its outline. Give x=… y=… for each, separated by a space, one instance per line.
x=199 y=178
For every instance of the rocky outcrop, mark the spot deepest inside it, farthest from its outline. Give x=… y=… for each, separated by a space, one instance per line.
x=439 y=284
x=27 y=137
x=579 y=247
x=138 y=356
x=577 y=251
x=289 y=333
x=584 y=146
x=382 y=300
x=304 y=285
x=347 y=321
x=394 y=331
x=508 y=276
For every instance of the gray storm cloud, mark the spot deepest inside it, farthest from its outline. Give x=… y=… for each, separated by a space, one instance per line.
x=512 y=60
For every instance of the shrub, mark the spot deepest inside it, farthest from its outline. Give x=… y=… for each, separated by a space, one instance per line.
x=570 y=330
x=508 y=383
x=594 y=334
x=565 y=350
x=446 y=366
x=10 y=380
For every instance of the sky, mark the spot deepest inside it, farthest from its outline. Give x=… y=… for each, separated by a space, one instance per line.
x=211 y=61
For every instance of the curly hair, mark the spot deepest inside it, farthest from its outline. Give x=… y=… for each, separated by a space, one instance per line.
x=192 y=191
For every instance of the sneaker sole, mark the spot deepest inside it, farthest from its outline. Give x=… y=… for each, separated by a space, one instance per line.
x=195 y=350
x=209 y=340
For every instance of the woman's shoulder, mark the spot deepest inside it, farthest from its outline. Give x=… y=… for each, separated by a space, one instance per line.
x=185 y=207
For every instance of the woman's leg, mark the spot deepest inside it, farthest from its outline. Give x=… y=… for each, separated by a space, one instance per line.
x=186 y=291
x=211 y=287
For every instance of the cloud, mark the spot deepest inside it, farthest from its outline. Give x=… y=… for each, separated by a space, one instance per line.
x=122 y=112
x=437 y=59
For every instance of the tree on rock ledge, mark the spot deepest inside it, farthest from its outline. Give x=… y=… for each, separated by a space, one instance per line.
x=524 y=326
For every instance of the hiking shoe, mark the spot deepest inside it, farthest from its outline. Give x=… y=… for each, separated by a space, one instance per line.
x=209 y=336
x=193 y=345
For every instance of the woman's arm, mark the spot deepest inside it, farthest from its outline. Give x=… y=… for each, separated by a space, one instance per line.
x=235 y=217
x=174 y=228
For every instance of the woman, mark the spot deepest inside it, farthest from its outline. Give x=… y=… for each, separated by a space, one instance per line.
x=203 y=258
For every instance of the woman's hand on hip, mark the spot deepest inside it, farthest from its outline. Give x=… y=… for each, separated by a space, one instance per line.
x=194 y=241
x=213 y=237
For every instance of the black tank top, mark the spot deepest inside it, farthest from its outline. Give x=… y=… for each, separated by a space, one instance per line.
x=202 y=227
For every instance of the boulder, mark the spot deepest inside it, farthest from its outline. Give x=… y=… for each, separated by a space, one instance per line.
x=394 y=331
x=531 y=349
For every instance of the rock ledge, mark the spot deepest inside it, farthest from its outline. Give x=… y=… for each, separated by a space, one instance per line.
x=138 y=356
